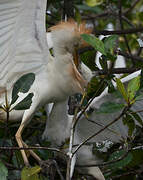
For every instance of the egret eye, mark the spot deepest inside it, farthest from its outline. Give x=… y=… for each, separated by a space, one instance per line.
x=51 y=51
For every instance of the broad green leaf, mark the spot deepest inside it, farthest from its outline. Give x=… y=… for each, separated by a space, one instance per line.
x=93 y=2
x=122 y=163
x=25 y=103
x=129 y=121
x=136 y=117
x=109 y=42
x=103 y=62
x=88 y=58
x=122 y=90
x=3 y=171
x=30 y=173
x=22 y=85
x=95 y=42
x=133 y=87
x=95 y=87
x=110 y=107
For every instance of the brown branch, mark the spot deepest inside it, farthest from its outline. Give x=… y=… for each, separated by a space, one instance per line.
x=132 y=7
x=90 y=17
x=5 y=148
x=121 y=24
x=126 y=55
x=136 y=58
x=116 y=71
x=119 y=32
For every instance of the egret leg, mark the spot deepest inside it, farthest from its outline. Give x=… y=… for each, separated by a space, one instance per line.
x=20 y=143
x=25 y=120
x=35 y=156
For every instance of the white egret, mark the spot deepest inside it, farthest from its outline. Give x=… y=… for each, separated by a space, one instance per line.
x=24 y=49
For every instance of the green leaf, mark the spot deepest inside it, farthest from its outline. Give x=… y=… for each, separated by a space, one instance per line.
x=95 y=87
x=3 y=172
x=22 y=85
x=109 y=42
x=122 y=163
x=133 y=87
x=111 y=87
x=129 y=121
x=136 y=117
x=88 y=58
x=122 y=90
x=95 y=42
x=103 y=62
x=110 y=107
x=25 y=103
x=93 y=2
x=30 y=173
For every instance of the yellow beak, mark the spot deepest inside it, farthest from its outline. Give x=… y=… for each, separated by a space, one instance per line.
x=75 y=58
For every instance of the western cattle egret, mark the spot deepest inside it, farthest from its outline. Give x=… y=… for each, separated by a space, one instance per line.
x=24 y=49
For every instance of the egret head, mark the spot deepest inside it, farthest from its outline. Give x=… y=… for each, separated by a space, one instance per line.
x=67 y=37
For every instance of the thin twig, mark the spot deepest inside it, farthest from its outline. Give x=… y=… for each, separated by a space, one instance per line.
x=106 y=163
x=116 y=71
x=137 y=58
x=127 y=55
x=132 y=7
x=58 y=170
x=95 y=134
x=122 y=28
x=5 y=148
x=119 y=32
x=101 y=125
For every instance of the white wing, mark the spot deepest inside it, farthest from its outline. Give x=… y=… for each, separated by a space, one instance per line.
x=23 y=46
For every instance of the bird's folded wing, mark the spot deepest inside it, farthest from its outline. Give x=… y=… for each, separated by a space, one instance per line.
x=23 y=46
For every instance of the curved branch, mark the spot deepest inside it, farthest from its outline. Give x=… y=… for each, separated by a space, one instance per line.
x=119 y=32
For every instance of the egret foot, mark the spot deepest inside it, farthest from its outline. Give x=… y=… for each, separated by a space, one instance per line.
x=33 y=154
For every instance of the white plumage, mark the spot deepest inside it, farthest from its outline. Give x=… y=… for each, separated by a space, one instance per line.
x=22 y=39
x=24 y=49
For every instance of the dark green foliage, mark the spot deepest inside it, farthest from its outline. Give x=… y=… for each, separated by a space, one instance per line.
x=22 y=85
x=95 y=42
x=25 y=103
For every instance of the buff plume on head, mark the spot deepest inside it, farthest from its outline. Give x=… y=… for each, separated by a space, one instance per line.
x=69 y=33
x=66 y=37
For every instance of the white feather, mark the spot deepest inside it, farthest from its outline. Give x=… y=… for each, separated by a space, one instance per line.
x=22 y=39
